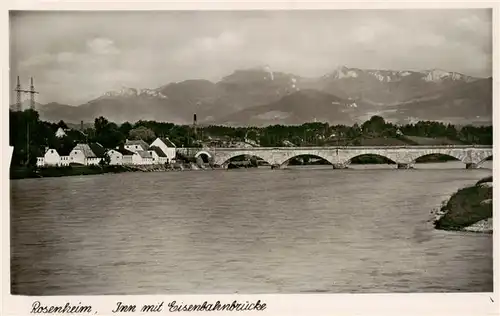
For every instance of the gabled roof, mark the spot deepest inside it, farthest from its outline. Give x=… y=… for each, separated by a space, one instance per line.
x=63 y=151
x=167 y=142
x=86 y=150
x=98 y=150
x=124 y=151
x=158 y=151
x=139 y=142
x=144 y=154
x=93 y=150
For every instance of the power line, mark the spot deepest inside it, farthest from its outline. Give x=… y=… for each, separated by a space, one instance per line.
x=20 y=91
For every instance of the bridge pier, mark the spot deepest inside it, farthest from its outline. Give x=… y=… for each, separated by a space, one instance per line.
x=404 y=166
x=471 y=165
x=339 y=166
x=275 y=166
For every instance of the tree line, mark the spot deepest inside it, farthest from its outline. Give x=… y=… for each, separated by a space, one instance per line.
x=30 y=136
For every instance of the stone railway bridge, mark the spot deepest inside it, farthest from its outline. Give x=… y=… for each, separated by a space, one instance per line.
x=340 y=157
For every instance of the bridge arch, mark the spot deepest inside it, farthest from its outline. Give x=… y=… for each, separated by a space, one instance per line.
x=289 y=159
x=490 y=157
x=203 y=155
x=202 y=152
x=453 y=155
x=388 y=159
x=224 y=161
x=437 y=157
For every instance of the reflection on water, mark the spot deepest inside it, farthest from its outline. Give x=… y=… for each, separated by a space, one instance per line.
x=310 y=229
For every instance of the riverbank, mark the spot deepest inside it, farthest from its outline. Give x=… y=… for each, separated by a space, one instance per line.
x=469 y=209
x=48 y=172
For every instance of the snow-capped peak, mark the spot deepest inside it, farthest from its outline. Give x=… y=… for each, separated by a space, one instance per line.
x=436 y=75
x=268 y=69
x=380 y=76
x=344 y=72
x=152 y=93
x=133 y=92
x=123 y=92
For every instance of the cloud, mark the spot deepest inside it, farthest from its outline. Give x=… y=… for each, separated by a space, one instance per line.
x=78 y=55
x=102 y=46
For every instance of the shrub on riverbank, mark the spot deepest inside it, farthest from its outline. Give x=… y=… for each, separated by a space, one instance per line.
x=467 y=207
x=23 y=173
x=485 y=180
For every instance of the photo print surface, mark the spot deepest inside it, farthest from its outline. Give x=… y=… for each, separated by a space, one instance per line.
x=221 y=152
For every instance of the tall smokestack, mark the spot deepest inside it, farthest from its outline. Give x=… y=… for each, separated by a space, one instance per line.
x=32 y=92
x=195 y=125
x=81 y=126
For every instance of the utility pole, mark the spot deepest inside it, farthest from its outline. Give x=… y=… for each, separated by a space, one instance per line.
x=32 y=93
x=27 y=143
x=18 y=93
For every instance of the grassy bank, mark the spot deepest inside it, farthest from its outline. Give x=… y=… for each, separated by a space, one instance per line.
x=26 y=172
x=467 y=207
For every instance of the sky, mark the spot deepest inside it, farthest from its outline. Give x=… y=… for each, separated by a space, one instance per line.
x=75 y=57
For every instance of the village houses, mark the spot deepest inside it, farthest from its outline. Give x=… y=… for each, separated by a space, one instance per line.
x=159 y=157
x=133 y=152
x=60 y=133
x=136 y=145
x=166 y=146
x=83 y=154
x=87 y=154
x=53 y=158
x=140 y=149
x=120 y=156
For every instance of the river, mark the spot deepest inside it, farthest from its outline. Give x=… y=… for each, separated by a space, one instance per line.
x=300 y=230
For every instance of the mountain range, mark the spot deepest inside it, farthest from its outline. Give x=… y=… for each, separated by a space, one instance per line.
x=258 y=96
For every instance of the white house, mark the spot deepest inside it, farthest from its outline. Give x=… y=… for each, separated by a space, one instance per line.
x=166 y=146
x=87 y=154
x=60 y=133
x=52 y=158
x=159 y=157
x=120 y=156
x=136 y=145
x=142 y=157
x=40 y=161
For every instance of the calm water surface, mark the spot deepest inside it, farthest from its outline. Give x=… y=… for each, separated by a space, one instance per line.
x=249 y=231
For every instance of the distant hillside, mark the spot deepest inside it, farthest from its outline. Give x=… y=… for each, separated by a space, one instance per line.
x=464 y=104
x=271 y=97
x=298 y=107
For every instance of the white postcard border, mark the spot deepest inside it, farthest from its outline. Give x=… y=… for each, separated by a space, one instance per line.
x=276 y=304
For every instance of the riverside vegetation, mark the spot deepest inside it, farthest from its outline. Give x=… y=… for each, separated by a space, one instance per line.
x=469 y=209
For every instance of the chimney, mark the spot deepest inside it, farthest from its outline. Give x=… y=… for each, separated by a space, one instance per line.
x=194 y=124
x=81 y=126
